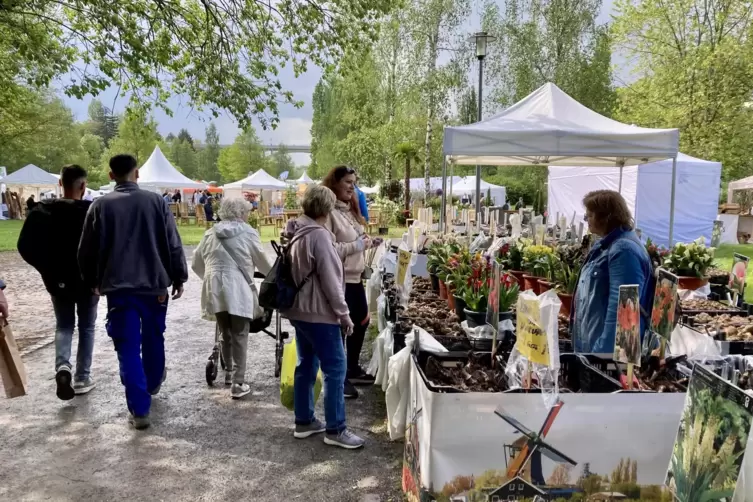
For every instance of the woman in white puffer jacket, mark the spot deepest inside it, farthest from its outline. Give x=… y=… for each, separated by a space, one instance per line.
x=226 y=259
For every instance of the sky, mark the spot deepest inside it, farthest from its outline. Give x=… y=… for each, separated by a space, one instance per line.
x=295 y=123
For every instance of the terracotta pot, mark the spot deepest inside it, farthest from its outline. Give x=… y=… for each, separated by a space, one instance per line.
x=450 y=300
x=475 y=318
x=567 y=303
x=518 y=274
x=531 y=282
x=459 y=308
x=691 y=283
x=442 y=290
x=545 y=285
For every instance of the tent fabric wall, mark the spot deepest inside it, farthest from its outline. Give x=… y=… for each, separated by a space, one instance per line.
x=467 y=186
x=646 y=189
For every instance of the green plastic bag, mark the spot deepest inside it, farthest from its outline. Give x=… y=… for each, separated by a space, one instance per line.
x=287 y=377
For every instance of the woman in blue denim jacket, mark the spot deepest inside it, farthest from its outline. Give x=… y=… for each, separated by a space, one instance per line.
x=617 y=258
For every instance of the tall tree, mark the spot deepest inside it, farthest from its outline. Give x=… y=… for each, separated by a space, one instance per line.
x=407 y=152
x=560 y=476
x=468 y=109
x=280 y=161
x=102 y=121
x=185 y=136
x=183 y=157
x=236 y=48
x=208 y=155
x=245 y=155
x=694 y=66
x=137 y=136
x=634 y=472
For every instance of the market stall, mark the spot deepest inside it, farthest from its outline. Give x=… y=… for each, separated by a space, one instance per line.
x=468 y=187
x=31 y=180
x=158 y=174
x=644 y=188
x=258 y=182
x=551 y=128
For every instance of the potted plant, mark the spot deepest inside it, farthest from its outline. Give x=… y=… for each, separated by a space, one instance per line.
x=508 y=295
x=386 y=211
x=566 y=277
x=510 y=256
x=435 y=257
x=690 y=262
x=476 y=290
x=535 y=265
x=657 y=254
x=550 y=268
x=457 y=281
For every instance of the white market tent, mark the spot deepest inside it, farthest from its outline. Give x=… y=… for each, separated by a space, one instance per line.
x=369 y=190
x=259 y=181
x=644 y=188
x=418 y=185
x=158 y=173
x=31 y=180
x=305 y=180
x=467 y=186
x=548 y=127
x=743 y=184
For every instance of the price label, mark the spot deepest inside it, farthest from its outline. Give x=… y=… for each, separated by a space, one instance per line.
x=403 y=264
x=540 y=233
x=532 y=342
x=416 y=236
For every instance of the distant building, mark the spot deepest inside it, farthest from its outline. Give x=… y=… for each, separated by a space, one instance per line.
x=516 y=489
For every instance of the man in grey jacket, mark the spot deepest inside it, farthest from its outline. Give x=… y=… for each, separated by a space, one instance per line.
x=130 y=251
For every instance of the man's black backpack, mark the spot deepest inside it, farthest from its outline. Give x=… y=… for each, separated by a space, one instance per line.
x=278 y=291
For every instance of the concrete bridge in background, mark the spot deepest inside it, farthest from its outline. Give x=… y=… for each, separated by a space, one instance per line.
x=289 y=148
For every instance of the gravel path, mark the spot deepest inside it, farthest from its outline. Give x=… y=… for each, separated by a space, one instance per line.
x=202 y=445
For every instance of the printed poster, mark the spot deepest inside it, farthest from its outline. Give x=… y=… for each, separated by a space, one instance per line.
x=627 y=340
x=532 y=342
x=738 y=272
x=665 y=303
x=710 y=444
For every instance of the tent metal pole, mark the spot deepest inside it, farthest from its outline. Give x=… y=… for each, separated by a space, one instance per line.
x=480 y=115
x=672 y=202
x=619 y=189
x=442 y=221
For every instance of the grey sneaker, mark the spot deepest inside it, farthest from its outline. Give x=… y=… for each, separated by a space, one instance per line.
x=238 y=390
x=345 y=439
x=63 y=379
x=304 y=431
x=228 y=378
x=139 y=423
x=83 y=386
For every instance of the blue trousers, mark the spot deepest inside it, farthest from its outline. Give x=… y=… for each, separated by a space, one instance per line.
x=136 y=324
x=319 y=343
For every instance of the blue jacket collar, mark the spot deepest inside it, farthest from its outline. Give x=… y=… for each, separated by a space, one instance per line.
x=608 y=239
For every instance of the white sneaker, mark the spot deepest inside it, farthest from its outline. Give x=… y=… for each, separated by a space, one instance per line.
x=237 y=391
x=83 y=386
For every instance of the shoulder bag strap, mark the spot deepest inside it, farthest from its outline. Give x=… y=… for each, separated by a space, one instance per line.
x=243 y=270
x=287 y=251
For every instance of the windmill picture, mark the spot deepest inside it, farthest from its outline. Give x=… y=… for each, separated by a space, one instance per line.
x=523 y=459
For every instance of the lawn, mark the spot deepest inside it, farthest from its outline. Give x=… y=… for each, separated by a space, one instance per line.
x=190 y=234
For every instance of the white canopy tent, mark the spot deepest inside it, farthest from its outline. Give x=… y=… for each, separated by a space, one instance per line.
x=467 y=186
x=644 y=188
x=259 y=181
x=551 y=128
x=743 y=184
x=369 y=190
x=158 y=173
x=31 y=180
x=305 y=180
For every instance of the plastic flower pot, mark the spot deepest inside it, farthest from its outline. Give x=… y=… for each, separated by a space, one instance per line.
x=434 y=283
x=460 y=308
x=567 y=303
x=475 y=318
x=691 y=283
x=518 y=274
x=450 y=300
x=531 y=283
x=442 y=290
x=545 y=286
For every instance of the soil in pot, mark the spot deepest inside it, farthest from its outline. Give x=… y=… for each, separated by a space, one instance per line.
x=475 y=318
x=442 y=290
x=567 y=303
x=434 y=283
x=475 y=375
x=460 y=308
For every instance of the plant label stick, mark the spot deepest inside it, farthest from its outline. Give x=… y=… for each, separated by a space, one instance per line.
x=737 y=275
x=630 y=376
x=665 y=302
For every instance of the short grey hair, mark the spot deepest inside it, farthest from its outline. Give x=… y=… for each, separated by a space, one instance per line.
x=318 y=201
x=234 y=209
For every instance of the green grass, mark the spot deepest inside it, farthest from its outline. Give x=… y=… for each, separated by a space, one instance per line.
x=190 y=234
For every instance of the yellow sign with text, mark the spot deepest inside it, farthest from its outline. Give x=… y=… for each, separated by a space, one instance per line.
x=403 y=263
x=532 y=342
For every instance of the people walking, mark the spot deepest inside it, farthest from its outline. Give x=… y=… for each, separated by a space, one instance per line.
x=345 y=222
x=177 y=197
x=61 y=221
x=226 y=259
x=319 y=314
x=131 y=252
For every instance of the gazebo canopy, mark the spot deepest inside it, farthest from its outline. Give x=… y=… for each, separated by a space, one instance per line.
x=467 y=186
x=31 y=175
x=305 y=180
x=260 y=180
x=158 y=172
x=549 y=127
x=743 y=184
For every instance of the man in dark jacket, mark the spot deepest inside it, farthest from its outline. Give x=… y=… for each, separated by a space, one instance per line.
x=131 y=252
x=49 y=242
x=30 y=203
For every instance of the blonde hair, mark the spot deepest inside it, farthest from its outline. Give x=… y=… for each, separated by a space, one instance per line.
x=318 y=201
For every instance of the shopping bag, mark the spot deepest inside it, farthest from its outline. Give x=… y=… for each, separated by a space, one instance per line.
x=287 y=377
x=12 y=370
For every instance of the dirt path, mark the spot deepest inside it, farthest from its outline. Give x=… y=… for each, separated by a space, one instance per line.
x=202 y=445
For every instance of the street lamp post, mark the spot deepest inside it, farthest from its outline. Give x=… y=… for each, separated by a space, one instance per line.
x=481 y=39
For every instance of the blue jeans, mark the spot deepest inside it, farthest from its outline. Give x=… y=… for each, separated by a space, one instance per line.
x=136 y=324
x=320 y=343
x=65 y=323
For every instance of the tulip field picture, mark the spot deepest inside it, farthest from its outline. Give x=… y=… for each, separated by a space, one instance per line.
x=665 y=301
x=710 y=443
x=737 y=274
x=627 y=340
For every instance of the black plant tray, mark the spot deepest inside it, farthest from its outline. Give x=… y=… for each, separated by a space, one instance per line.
x=589 y=373
x=735 y=312
x=459 y=358
x=453 y=343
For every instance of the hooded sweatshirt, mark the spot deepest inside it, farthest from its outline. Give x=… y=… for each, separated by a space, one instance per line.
x=49 y=243
x=348 y=241
x=322 y=298
x=225 y=248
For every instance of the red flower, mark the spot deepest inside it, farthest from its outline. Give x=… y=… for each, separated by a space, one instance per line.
x=627 y=317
